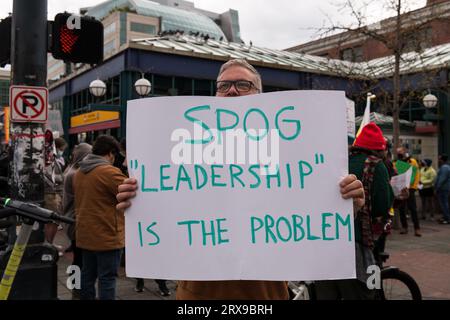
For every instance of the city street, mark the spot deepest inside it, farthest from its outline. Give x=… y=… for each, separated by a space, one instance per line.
x=116 y=117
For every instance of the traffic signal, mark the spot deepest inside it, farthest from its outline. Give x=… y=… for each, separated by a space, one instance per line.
x=77 y=39
x=5 y=46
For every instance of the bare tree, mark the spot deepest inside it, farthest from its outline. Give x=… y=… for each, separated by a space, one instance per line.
x=406 y=32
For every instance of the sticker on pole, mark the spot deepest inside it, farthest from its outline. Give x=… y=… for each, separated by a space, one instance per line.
x=28 y=104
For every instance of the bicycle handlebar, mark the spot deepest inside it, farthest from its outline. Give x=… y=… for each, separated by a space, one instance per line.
x=7 y=212
x=32 y=211
x=5 y=222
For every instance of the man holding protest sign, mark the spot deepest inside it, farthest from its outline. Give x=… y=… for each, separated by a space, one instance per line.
x=238 y=78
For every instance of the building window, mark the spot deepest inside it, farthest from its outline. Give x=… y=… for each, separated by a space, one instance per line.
x=4 y=93
x=57 y=105
x=109 y=47
x=272 y=89
x=352 y=54
x=203 y=88
x=109 y=29
x=142 y=28
x=183 y=86
x=420 y=40
x=161 y=85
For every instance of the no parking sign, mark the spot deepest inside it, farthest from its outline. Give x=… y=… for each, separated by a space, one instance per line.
x=28 y=104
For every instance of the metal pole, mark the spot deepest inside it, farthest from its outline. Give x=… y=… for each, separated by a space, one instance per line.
x=28 y=67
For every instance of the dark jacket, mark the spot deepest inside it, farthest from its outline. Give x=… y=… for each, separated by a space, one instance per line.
x=382 y=194
x=442 y=183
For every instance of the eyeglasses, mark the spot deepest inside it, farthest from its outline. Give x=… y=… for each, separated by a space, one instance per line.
x=240 y=85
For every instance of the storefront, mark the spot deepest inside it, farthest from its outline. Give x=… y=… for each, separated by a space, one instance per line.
x=87 y=127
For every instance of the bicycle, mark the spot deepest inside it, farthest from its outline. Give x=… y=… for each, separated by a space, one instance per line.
x=395 y=283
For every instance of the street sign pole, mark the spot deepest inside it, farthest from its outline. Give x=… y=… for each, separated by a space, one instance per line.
x=29 y=68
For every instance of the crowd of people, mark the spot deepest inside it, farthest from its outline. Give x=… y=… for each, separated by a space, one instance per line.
x=85 y=190
x=94 y=189
x=83 y=185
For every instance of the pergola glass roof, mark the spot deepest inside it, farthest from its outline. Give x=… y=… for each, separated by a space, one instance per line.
x=171 y=18
x=429 y=59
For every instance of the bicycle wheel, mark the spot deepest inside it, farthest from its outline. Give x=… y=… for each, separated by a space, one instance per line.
x=398 y=285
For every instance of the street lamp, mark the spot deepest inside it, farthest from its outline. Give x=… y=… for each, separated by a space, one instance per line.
x=97 y=88
x=430 y=101
x=371 y=96
x=143 y=87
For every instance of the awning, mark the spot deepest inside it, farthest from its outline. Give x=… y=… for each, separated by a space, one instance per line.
x=384 y=120
x=96 y=127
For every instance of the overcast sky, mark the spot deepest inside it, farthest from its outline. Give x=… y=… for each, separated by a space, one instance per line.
x=276 y=24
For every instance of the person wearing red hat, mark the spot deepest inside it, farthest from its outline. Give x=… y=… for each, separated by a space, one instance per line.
x=366 y=162
x=371 y=138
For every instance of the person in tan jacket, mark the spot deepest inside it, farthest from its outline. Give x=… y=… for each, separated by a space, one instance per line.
x=100 y=228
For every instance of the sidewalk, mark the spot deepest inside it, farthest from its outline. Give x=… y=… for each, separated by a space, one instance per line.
x=426 y=259
x=125 y=286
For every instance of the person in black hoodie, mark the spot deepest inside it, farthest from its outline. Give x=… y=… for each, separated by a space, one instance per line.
x=79 y=153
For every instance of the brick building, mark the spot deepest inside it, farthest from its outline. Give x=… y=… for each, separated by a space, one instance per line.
x=428 y=27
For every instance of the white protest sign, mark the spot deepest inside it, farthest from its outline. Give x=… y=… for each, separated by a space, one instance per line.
x=351 y=122
x=401 y=182
x=209 y=206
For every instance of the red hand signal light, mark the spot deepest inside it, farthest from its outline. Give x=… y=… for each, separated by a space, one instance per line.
x=68 y=39
x=82 y=44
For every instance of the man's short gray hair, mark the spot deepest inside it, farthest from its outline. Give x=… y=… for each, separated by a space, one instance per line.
x=244 y=64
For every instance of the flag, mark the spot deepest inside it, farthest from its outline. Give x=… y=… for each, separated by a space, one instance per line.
x=366 y=118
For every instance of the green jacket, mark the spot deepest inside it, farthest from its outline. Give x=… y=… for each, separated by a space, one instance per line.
x=382 y=194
